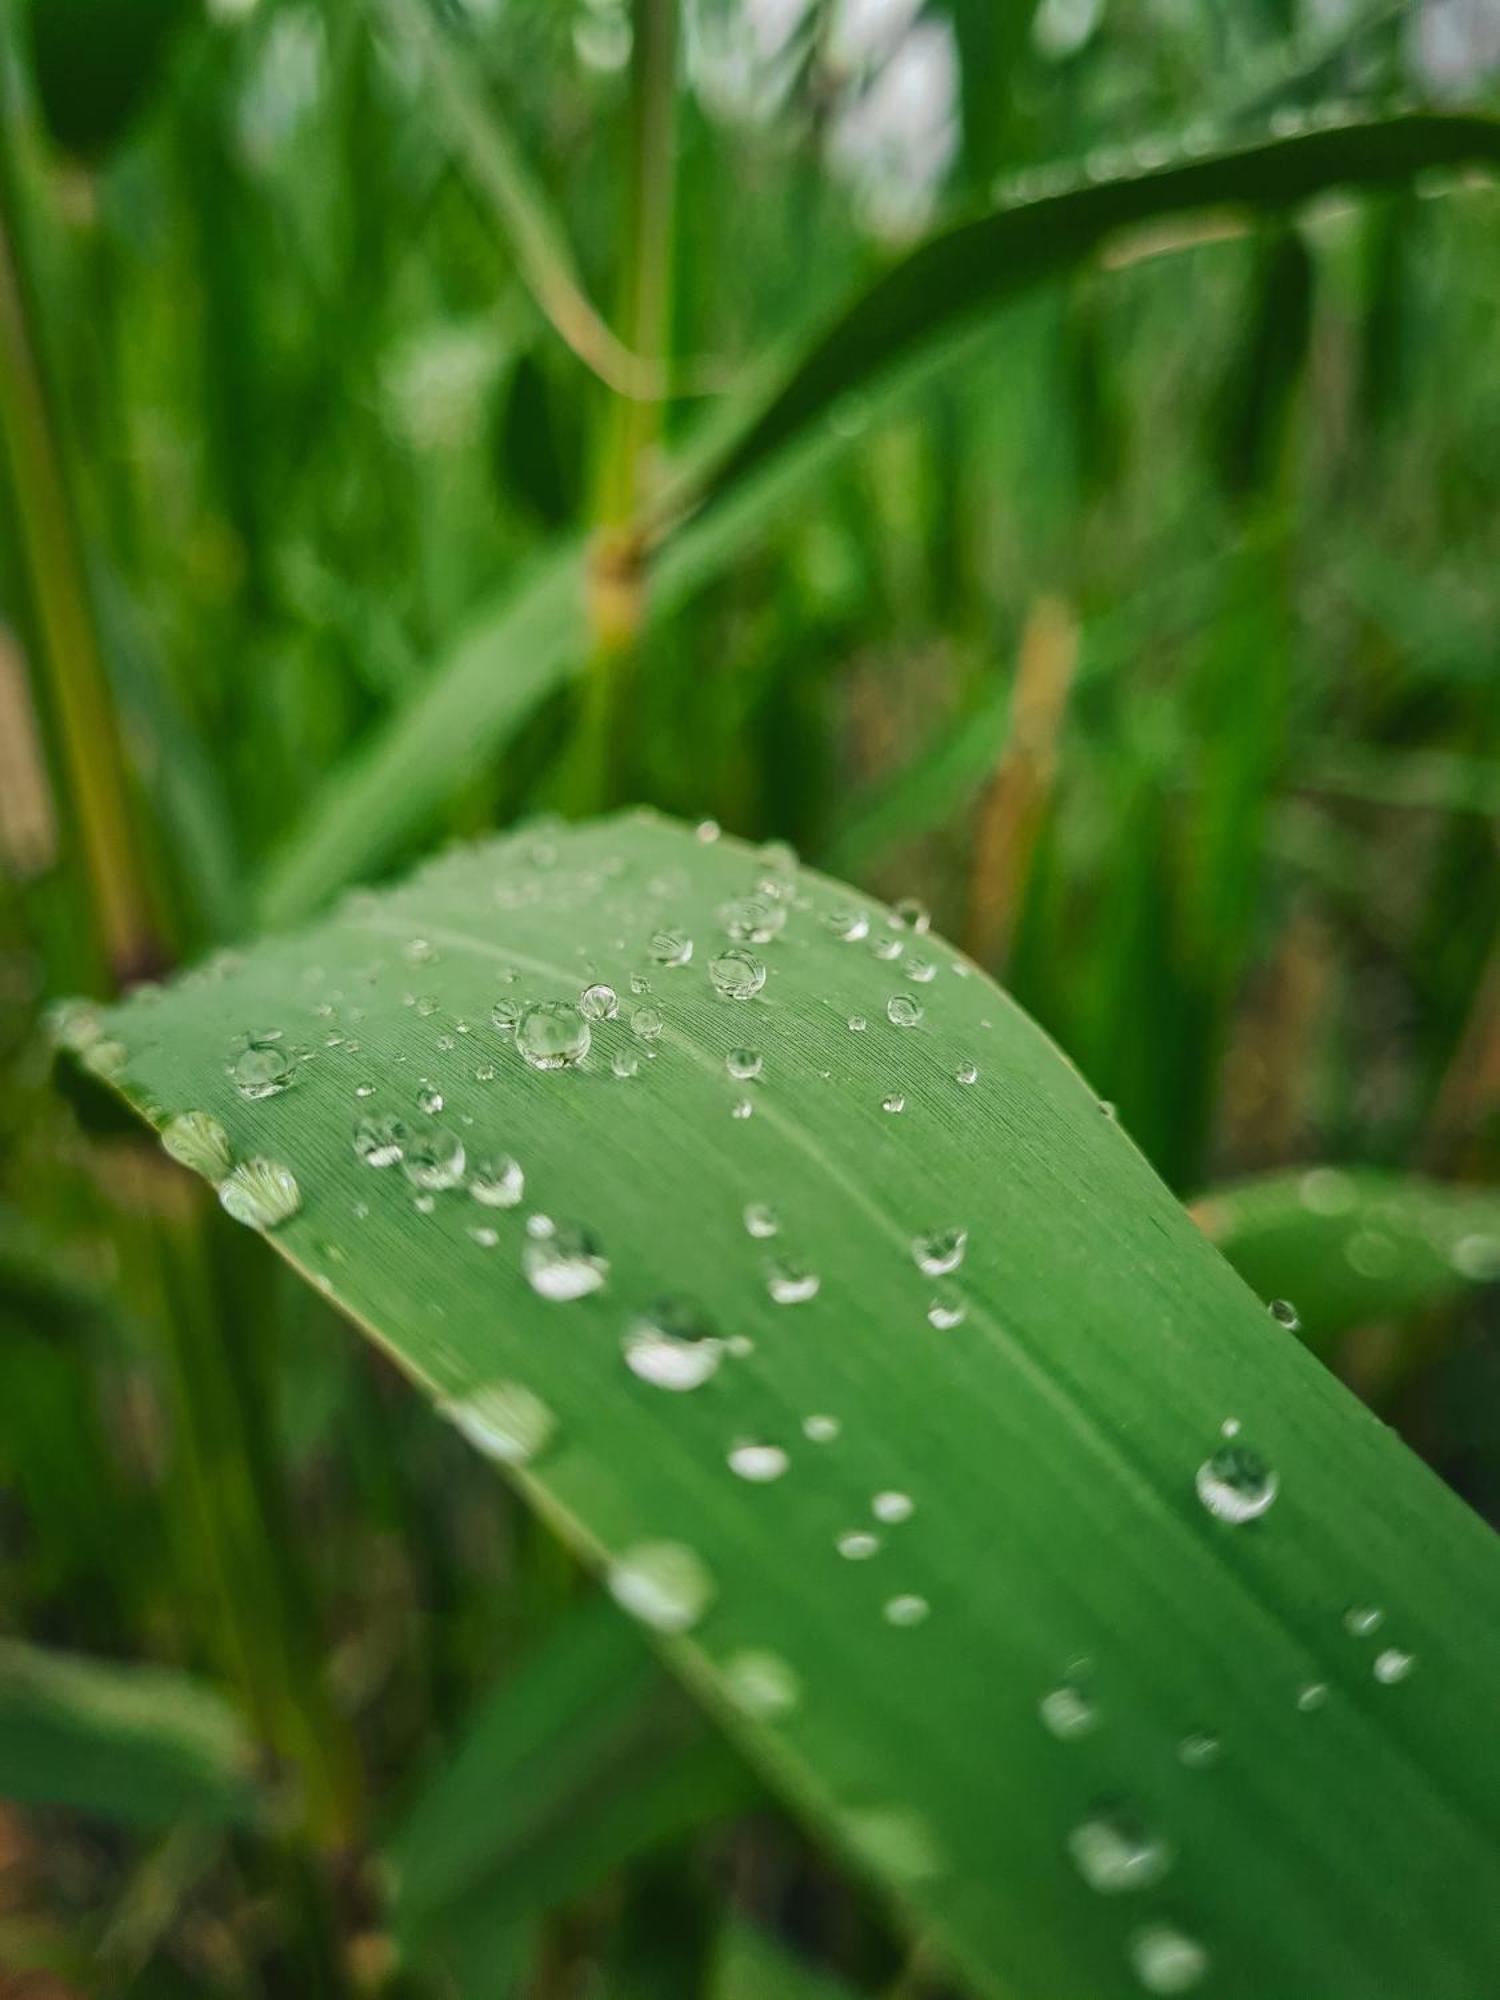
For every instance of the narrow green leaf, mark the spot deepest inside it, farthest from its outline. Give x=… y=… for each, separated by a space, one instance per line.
x=139 y=1744
x=912 y=1685
x=752 y=1966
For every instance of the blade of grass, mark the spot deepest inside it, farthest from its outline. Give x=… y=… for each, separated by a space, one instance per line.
x=1052 y=1444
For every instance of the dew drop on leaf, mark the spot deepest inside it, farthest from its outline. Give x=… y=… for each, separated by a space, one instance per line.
x=1285 y=1314
x=761 y=1683
x=737 y=974
x=790 y=1282
x=857 y=1545
x=670 y=948
x=1392 y=1665
x=911 y=915
x=821 y=1430
x=966 y=1073
x=940 y=1251
x=196 y=1140
x=263 y=1069
x=758 y=1463
x=379 y=1142
x=1200 y=1750
x=505 y=1421
x=552 y=1034
x=743 y=1064
x=498 y=1182
x=893 y=1101
x=847 y=922
x=1165 y=1959
x=903 y=1011
x=741 y=1108
x=921 y=971
x=1236 y=1484
x=891 y=1506
x=753 y=919
x=1362 y=1619
x=646 y=1023
x=565 y=1264
x=1067 y=1713
x=260 y=1193
x=907 y=1609
x=599 y=1002
x=505 y=1014
x=761 y=1219
x=946 y=1311
x=672 y=1346
x=429 y=1100
x=433 y=1158
x=1116 y=1854
x=857 y=1024
x=625 y=1062
x=664 y=1584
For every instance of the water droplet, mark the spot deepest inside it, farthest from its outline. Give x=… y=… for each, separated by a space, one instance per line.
x=485 y=1073
x=670 y=948
x=429 y=1100
x=484 y=1236
x=1361 y=1620
x=424 y=1204
x=966 y=1073
x=1200 y=1749
x=364 y=1090
x=821 y=1430
x=908 y=1609
x=1165 y=1959
x=1067 y=1713
x=742 y=1108
x=432 y=1158
x=664 y=1584
x=790 y=1282
x=892 y=1506
x=505 y=1014
x=1476 y=1258
x=1236 y=1484
x=902 y=1011
x=707 y=830
x=552 y=1034
x=260 y=1193
x=947 y=1311
x=672 y=1346
x=419 y=951
x=761 y=1219
x=857 y=1545
x=625 y=1062
x=759 y=1463
x=761 y=1683
x=743 y=1064
x=857 y=1024
x=911 y=915
x=921 y=971
x=1313 y=1696
x=1392 y=1665
x=1285 y=1314
x=379 y=1142
x=886 y=947
x=599 y=1002
x=196 y=1139
x=753 y=919
x=848 y=923
x=505 y=1421
x=940 y=1251
x=567 y=1264
x=893 y=1101
x=646 y=1023
x=498 y=1182
x=1115 y=1853
x=263 y=1069
x=737 y=974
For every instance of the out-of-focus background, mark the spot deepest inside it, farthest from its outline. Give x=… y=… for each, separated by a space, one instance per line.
x=1148 y=634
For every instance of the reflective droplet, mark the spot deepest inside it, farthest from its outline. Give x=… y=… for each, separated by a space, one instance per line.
x=379 y=1142
x=646 y=1023
x=744 y=1064
x=1236 y=1484
x=1116 y=1854
x=921 y=971
x=737 y=974
x=672 y=1346
x=893 y=1101
x=761 y=1219
x=1165 y=1959
x=790 y=1282
x=857 y=1545
x=966 y=1073
x=886 y=947
x=432 y=1158
x=753 y=919
x=505 y=1014
x=670 y=948
x=419 y=951
x=847 y=922
x=857 y=1024
x=429 y=1100
x=599 y=1002
x=1067 y=1713
x=567 y=1264
x=902 y=1011
x=1314 y=1695
x=260 y=1193
x=1200 y=1749
x=484 y=1236
x=940 y=1251
x=821 y=1430
x=625 y=1062
x=1392 y=1665
x=505 y=1421
x=761 y=1683
x=759 y=1463
x=664 y=1584
x=911 y=915
x=498 y=1182
x=196 y=1139
x=552 y=1034
x=908 y=1609
x=1363 y=1619
x=1285 y=1314
x=263 y=1069
x=707 y=830
x=947 y=1311
x=364 y=1090
x=892 y=1506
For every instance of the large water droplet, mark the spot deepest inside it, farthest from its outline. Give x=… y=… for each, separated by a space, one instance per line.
x=505 y=1421
x=664 y=1584
x=499 y=1182
x=432 y=1158
x=1165 y=1959
x=940 y=1251
x=565 y=1264
x=599 y=1002
x=672 y=1346
x=737 y=974
x=263 y=1069
x=791 y=1282
x=196 y=1139
x=646 y=1023
x=552 y=1034
x=761 y=1683
x=1116 y=1854
x=379 y=1142
x=903 y=1010
x=260 y=1193
x=1236 y=1484
x=671 y=948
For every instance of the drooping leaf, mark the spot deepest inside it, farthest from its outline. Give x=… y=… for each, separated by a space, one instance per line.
x=950 y=1537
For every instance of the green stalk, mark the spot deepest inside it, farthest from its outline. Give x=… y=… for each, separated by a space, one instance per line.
x=71 y=659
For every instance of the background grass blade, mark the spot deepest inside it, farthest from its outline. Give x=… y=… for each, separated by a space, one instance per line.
x=139 y=1744
x=1049 y=1442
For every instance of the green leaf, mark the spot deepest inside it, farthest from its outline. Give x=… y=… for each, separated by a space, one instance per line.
x=139 y=1744
x=1051 y=1445
x=751 y=1966
x=1349 y=1247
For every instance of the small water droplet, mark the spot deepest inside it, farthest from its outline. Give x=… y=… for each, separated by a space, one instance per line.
x=429 y=1100
x=599 y=1002
x=1200 y=1749
x=761 y=1683
x=821 y=1430
x=791 y=1282
x=419 y=951
x=857 y=1545
x=741 y=1108
x=552 y=1034
x=664 y=1584
x=1067 y=1713
x=744 y=1064
x=505 y=1014
x=886 y=947
x=759 y=1463
x=499 y=1182
x=670 y=948
x=484 y=1236
x=567 y=1264
x=907 y=1609
x=893 y=1101
x=263 y=1069
x=672 y=1346
x=364 y=1090
x=707 y=830
x=921 y=971
x=737 y=974
x=379 y=1142
x=505 y=1421
x=892 y=1506
x=966 y=1073
x=940 y=1251
x=625 y=1062
x=911 y=915
x=1115 y=1853
x=946 y=1311
x=857 y=1024
x=903 y=1011
x=196 y=1140
x=1285 y=1314
x=1360 y=1620
x=761 y=1219
x=646 y=1023
x=1313 y=1696
x=432 y=1158
x=753 y=919
x=848 y=923
x=1236 y=1484
x=260 y=1193
x=1165 y=1959
x=1392 y=1665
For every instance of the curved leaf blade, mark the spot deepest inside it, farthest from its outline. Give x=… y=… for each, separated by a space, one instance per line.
x=1050 y=1443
